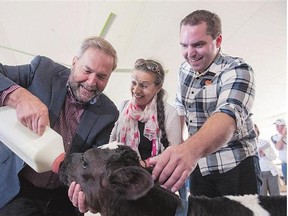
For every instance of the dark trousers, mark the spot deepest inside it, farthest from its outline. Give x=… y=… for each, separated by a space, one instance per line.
x=243 y=179
x=33 y=201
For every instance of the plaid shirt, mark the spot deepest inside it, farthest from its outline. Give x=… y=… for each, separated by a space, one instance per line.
x=227 y=86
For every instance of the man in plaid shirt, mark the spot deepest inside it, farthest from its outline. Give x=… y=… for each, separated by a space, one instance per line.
x=215 y=97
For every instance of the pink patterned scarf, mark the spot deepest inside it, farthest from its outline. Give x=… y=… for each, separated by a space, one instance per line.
x=127 y=130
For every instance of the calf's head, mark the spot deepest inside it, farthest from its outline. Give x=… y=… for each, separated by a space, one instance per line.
x=106 y=174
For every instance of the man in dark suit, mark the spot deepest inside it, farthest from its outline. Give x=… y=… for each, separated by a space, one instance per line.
x=70 y=101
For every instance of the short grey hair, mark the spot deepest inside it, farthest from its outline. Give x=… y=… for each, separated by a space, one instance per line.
x=101 y=44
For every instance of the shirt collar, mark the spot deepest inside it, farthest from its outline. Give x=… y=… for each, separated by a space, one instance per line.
x=216 y=65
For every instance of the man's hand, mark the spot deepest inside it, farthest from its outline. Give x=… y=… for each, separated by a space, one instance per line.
x=284 y=132
x=173 y=166
x=261 y=153
x=31 y=112
x=177 y=162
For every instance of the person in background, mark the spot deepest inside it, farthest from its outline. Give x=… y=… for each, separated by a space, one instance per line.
x=280 y=142
x=147 y=123
x=269 y=174
x=215 y=96
x=70 y=101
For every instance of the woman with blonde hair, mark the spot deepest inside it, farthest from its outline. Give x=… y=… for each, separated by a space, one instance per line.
x=147 y=123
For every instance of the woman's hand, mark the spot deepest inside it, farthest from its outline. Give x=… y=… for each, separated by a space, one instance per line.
x=77 y=197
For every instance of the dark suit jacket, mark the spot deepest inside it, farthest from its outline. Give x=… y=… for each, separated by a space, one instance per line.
x=47 y=80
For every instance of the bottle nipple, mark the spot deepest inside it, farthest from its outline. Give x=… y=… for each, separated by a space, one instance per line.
x=56 y=164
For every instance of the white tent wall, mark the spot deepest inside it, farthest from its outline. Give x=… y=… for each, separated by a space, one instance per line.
x=254 y=30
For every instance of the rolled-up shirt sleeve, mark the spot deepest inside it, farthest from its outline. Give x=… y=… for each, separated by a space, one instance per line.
x=237 y=93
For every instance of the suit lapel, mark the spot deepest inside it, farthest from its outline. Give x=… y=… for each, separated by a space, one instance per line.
x=87 y=122
x=59 y=92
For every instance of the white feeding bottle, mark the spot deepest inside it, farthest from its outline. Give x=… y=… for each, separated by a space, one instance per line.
x=42 y=153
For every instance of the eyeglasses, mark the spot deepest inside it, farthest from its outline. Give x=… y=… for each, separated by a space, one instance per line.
x=148 y=64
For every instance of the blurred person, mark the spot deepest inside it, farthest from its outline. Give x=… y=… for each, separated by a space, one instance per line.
x=269 y=174
x=280 y=142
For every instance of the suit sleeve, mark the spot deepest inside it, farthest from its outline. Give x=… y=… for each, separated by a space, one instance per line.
x=21 y=74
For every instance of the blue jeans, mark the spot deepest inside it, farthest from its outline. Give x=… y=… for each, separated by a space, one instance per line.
x=284 y=171
x=184 y=193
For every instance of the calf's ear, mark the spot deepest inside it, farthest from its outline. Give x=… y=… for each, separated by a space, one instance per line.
x=130 y=182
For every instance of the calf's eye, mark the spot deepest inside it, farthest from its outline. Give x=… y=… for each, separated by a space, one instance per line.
x=84 y=164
